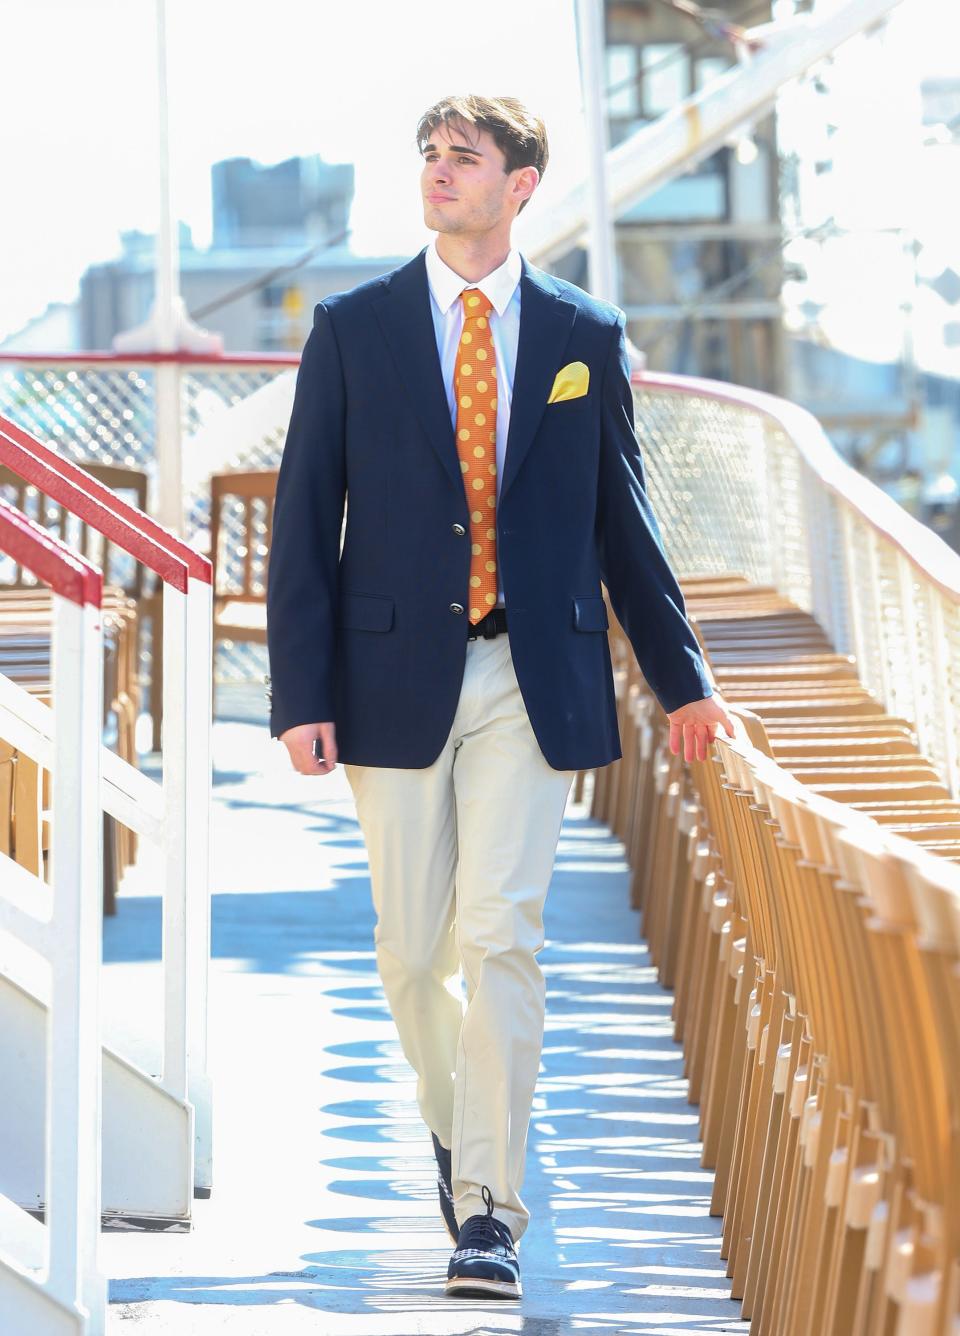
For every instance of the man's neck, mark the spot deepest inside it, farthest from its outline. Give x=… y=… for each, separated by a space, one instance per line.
x=473 y=257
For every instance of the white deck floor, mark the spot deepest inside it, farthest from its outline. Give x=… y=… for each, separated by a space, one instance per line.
x=324 y=1216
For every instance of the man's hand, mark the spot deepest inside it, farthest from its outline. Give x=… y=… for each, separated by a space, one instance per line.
x=299 y=743
x=696 y=724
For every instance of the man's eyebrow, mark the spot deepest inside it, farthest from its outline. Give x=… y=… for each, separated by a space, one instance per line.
x=454 y=148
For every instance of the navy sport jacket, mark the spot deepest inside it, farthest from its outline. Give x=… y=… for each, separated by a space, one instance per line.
x=374 y=637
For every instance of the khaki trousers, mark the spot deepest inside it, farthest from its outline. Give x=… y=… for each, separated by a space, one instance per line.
x=461 y=853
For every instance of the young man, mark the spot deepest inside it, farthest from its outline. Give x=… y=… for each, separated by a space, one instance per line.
x=477 y=414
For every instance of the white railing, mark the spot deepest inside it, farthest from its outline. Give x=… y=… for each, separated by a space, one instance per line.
x=50 y=1278
x=104 y=407
x=742 y=480
x=174 y=813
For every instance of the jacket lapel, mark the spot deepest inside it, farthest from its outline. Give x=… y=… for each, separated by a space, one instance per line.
x=546 y=319
x=404 y=313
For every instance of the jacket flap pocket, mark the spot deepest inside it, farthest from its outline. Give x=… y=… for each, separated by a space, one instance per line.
x=590 y=614
x=366 y=612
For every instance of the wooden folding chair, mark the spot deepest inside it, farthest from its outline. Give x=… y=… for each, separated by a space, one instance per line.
x=770 y=893
x=241 y=526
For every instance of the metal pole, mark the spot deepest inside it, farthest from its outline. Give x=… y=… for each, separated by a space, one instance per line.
x=166 y=294
x=167 y=261
x=590 y=47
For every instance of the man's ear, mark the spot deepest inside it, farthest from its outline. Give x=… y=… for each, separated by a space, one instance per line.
x=528 y=178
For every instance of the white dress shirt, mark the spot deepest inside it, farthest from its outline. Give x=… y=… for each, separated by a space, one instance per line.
x=502 y=289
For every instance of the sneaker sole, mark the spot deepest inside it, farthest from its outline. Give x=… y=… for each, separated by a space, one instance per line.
x=475 y=1287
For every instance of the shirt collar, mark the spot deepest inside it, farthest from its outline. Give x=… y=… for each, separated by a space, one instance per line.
x=446 y=286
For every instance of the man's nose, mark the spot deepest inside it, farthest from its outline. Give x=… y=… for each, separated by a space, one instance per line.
x=440 y=175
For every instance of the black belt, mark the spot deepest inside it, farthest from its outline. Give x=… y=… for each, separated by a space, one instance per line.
x=489 y=626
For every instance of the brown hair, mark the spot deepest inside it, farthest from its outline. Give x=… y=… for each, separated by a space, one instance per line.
x=520 y=136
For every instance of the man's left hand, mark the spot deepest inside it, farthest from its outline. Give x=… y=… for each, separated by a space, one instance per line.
x=696 y=725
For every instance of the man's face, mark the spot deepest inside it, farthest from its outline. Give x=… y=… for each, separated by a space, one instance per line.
x=465 y=189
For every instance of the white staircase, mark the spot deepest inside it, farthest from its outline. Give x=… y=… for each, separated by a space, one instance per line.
x=147 y=1145
x=84 y=1132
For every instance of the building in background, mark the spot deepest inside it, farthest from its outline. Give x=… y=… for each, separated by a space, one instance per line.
x=817 y=258
x=869 y=183
x=280 y=244
x=700 y=259
x=290 y=203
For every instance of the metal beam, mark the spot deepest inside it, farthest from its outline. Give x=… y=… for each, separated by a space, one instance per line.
x=700 y=124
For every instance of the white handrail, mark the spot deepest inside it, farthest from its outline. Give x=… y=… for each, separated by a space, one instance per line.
x=182 y=820
x=743 y=480
x=52 y=1281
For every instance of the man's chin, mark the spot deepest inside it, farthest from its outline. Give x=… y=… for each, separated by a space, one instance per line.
x=438 y=220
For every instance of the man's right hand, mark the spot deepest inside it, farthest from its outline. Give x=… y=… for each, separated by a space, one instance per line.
x=299 y=743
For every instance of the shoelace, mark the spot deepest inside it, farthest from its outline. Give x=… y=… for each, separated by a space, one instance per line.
x=485 y=1229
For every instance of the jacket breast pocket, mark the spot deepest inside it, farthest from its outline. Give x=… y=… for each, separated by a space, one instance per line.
x=590 y=614
x=366 y=612
x=565 y=407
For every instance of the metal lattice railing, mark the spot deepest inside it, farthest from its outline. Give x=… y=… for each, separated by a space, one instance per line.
x=739 y=481
x=743 y=481
x=712 y=519
x=103 y=409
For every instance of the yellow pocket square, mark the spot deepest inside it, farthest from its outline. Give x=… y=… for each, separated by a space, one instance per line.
x=571 y=382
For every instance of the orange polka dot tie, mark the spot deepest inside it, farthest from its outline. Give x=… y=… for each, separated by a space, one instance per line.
x=475 y=384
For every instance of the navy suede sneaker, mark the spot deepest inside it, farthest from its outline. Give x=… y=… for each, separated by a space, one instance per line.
x=484 y=1264
x=445 y=1187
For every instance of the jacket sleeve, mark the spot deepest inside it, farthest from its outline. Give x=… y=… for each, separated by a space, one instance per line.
x=643 y=590
x=305 y=542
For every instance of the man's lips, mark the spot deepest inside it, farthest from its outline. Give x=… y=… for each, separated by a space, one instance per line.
x=440 y=199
